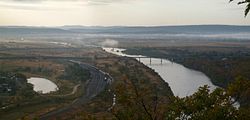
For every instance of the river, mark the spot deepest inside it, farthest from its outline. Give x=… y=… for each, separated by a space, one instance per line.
x=182 y=81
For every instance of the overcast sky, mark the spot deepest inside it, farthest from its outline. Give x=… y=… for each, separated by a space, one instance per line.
x=120 y=12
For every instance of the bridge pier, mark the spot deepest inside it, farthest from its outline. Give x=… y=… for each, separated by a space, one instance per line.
x=150 y=59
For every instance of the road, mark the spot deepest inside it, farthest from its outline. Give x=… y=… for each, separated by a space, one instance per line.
x=93 y=87
x=64 y=95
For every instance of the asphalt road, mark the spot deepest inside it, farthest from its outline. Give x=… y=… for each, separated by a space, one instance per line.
x=93 y=87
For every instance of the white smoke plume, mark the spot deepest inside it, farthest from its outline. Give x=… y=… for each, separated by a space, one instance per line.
x=110 y=43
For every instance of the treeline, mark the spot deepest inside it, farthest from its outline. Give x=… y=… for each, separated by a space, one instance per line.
x=35 y=70
x=13 y=88
x=75 y=73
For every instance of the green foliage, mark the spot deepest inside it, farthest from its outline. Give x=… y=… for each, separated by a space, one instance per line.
x=244 y=2
x=12 y=82
x=240 y=90
x=139 y=99
x=27 y=91
x=203 y=104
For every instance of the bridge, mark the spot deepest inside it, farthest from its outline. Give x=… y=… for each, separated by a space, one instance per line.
x=139 y=58
x=150 y=59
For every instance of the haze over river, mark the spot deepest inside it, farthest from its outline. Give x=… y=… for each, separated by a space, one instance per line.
x=182 y=81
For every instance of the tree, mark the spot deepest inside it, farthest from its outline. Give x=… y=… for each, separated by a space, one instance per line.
x=247 y=7
x=240 y=90
x=137 y=100
x=203 y=104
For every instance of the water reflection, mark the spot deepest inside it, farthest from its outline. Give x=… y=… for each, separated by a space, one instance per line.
x=42 y=85
x=182 y=81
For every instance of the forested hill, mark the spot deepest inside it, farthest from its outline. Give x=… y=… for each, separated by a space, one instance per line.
x=187 y=29
x=191 y=29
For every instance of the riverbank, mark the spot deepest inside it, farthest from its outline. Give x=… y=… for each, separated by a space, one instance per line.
x=182 y=81
x=133 y=84
x=131 y=80
x=222 y=64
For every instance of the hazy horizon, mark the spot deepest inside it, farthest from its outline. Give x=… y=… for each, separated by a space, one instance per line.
x=180 y=25
x=121 y=13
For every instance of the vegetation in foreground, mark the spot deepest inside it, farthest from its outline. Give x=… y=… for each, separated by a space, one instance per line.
x=136 y=102
x=142 y=94
x=138 y=96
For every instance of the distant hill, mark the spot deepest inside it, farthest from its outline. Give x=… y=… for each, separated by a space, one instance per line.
x=211 y=32
x=31 y=30
x=187 y=29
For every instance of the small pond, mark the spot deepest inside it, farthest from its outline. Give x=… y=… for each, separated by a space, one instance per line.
x=42 y=85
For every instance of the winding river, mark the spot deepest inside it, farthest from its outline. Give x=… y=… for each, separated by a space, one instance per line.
x=182 y=81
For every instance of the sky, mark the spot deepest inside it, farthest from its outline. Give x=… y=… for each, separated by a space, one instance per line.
x=120 y=12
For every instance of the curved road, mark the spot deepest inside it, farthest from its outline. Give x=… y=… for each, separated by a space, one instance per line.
x=99 y=80
x=64 y=95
